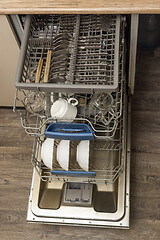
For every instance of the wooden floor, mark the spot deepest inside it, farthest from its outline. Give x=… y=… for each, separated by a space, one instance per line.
x=16 y=170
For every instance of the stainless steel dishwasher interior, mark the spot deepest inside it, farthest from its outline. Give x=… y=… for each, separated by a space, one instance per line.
x=104 y=196
x=108 y=199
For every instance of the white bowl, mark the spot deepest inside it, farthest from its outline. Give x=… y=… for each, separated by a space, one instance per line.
x=63 y=154
x=47 y=152
x=83 y=154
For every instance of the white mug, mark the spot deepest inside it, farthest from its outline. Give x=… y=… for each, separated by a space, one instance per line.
x=64 y=110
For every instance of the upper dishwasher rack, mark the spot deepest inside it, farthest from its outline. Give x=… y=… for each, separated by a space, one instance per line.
x=84 y=53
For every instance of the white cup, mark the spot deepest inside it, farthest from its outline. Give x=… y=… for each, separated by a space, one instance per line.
x=64 y=110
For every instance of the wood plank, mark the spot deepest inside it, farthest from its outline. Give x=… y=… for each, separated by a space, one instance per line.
x=6 y=116
x=78 y=6
x=147 y=81
x=11 y=131
x=140 y=230
x=13 y=137
x=29 y=236
x=147 y=70
x=142 y=208
x=145 y=142
x=145 y=121
x=145 y=186
x=147 y=62
x=13 y=150
x=145 y=182
x=145 y=164
x=15 y=179
x=14 y=225
x=146 y=101
x=11 y=201
x=12 y=222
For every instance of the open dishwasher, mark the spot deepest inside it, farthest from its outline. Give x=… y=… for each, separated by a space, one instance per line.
x=81 y=155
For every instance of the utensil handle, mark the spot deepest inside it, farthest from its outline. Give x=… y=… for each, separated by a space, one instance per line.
x=39 y=69
x=47 y=67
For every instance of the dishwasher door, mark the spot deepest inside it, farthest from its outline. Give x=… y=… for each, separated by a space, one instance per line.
x=77 y=56
x=107 y=202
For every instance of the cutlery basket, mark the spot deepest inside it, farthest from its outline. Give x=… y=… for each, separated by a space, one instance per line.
x=84 y=53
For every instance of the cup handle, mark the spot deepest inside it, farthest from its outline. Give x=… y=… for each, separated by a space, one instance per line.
x=73 y=101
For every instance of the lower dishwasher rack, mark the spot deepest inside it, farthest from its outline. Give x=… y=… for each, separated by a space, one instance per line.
x=109 y=205
x=106 y=159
